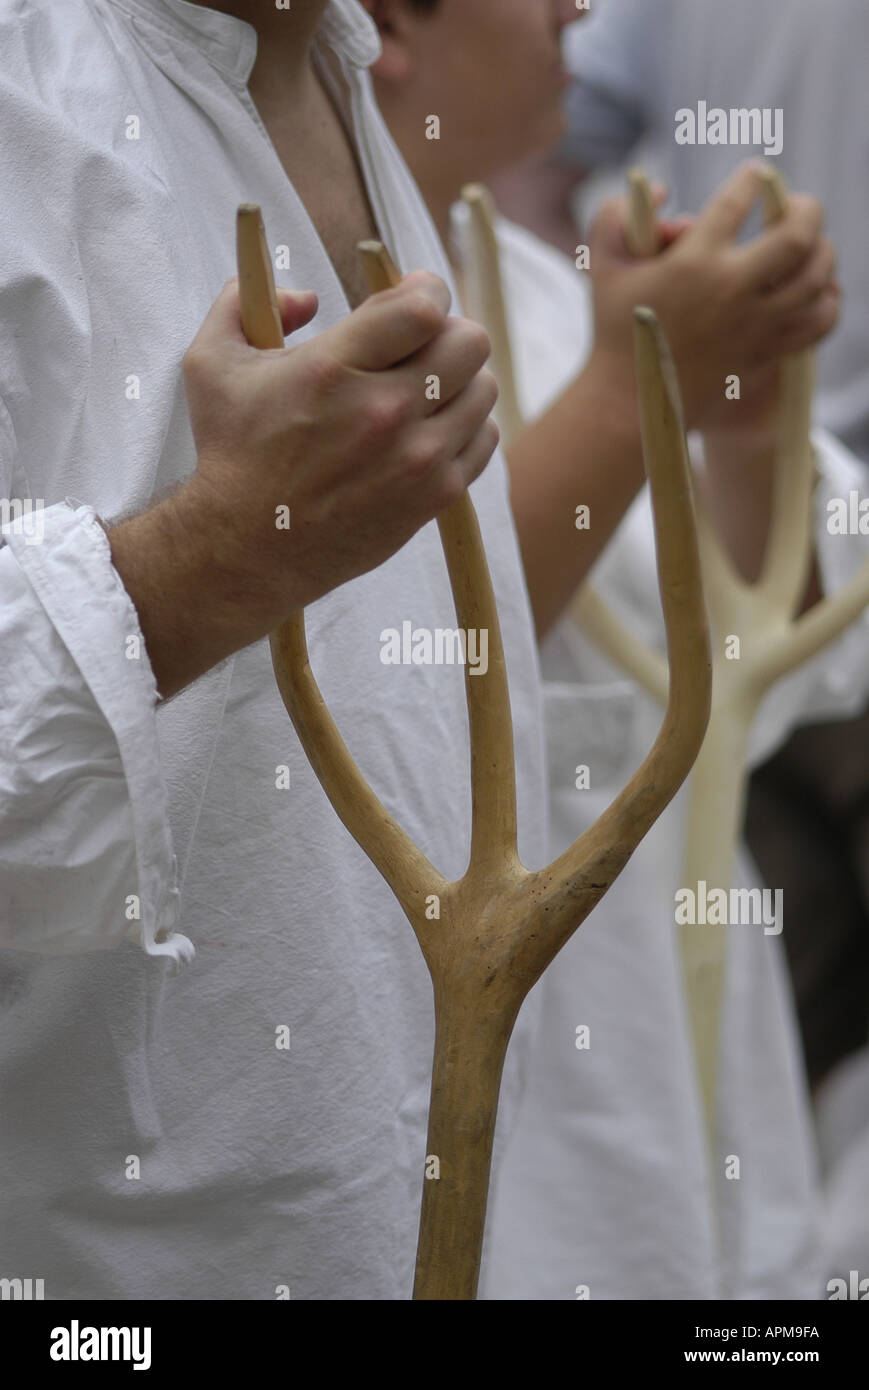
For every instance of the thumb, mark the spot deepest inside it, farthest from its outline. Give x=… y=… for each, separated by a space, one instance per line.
x=297 y=308
x=607 y=235
x=222 y=323
x=672 y=228
x=724 y=214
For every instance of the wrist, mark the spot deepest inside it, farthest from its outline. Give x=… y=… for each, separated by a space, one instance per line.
x=194 y=602
x=229 y=569
x=608 y=384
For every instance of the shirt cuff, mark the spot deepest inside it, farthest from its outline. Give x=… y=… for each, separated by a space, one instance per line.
x=86 y=857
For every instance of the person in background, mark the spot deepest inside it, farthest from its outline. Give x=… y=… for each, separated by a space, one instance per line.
x=639 y=70
x=604 y=1184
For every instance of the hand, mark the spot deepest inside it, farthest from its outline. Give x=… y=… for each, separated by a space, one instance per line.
x=339 y=430
x=728 y=309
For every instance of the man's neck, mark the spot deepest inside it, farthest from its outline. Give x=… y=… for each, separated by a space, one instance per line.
x=285 y=37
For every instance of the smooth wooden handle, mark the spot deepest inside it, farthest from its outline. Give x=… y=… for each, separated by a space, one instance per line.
x=641 y=232
x=380 y=269
x=486 y=303
x=260 y=315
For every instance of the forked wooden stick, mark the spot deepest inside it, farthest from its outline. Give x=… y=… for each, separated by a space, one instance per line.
x=484 y=294
x=773 y=642
x=501 y=924
x=641 y=231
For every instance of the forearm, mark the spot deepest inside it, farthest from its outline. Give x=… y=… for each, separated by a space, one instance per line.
x=584 y=451
x=196 y=603
x=737 y=485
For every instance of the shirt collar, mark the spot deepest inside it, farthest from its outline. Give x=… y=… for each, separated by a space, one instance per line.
x=230 y=43
x=348 y=27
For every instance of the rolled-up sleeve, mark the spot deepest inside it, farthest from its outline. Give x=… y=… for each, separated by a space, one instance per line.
x=86 y=858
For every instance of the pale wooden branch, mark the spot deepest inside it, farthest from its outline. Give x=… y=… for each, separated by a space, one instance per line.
x=636 y=658
x=485 y=295
x=487 y=305
x=786 y=563
x=641 y=231
x=817 y=627
x=762 y=616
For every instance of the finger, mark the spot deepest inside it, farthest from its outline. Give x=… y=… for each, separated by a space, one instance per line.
x=393 y=324
x=297 y=308
x=726 y=211
x=812 y=326
x=478 y=451
x=448 y=433
x=607 y=236
x=778 y=253
x=446 y=366
x=454 y=477
x=671 y=229
x=804 y=288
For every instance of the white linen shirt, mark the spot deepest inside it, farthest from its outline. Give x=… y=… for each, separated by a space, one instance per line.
x=603 y=1186
x=157 y=1139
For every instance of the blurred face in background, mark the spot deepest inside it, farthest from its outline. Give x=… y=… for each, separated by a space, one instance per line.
x=490 y=70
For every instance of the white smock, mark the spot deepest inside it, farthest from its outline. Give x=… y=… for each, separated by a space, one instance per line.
x=159 y=1139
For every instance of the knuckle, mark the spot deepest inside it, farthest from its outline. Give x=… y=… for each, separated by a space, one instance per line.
x=491 y=438
x=422 y=458
x=488 y=389
x=423 y=312
x=810 y=209
x=382 y=416
x=426 y=281
x=479 y=344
